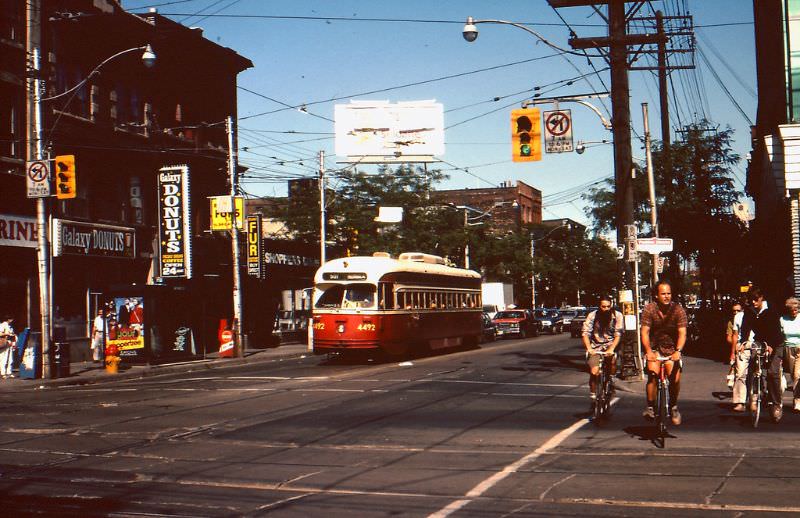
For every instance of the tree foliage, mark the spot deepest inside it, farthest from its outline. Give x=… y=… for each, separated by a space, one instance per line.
x=694 y=199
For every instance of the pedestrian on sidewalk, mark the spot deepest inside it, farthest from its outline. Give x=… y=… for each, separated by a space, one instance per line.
x=790 y=325
x=8 y=342
x=99 y=334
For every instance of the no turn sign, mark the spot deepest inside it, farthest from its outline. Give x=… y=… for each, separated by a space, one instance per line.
x=558 y=131
x=37 y=178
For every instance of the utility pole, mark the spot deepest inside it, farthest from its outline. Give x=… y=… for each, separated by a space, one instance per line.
x=651 y=184
x=35 y=151
x=533 y=273
x=233 y=175
x=466 y=242
x=322 y=209
x=617 y=43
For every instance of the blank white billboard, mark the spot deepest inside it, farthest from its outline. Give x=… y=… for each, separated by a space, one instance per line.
x=410 y=130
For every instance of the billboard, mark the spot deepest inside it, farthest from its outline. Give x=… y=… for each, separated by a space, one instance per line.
x=174 y=218
x=391 y=132
x=126 y=329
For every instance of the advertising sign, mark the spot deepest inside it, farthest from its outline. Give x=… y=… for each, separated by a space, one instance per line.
x=254 y=247
x=175 y=243
x=126 y=327
x=558 y=131
x=405 y=131
x=221 y=212
x=18 y=231
x=93 y=240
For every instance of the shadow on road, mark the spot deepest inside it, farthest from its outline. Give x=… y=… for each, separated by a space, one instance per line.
x=648 y=433
x=537 y=362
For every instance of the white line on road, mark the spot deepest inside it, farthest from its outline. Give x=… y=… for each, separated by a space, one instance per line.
x=490 y=482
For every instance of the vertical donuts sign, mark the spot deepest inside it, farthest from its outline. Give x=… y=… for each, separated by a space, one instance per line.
x=175 y=246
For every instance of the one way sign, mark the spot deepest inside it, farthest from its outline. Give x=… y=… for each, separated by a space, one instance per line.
x=558 y=131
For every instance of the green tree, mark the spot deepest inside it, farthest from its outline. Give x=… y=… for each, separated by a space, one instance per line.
x=694 y=200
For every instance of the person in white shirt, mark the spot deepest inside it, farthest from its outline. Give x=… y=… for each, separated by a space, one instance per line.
x=740 y=358
x=8 y=342
x=99 y=336
x=790 y=325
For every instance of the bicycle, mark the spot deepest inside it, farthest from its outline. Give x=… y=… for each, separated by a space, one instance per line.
x=662 y=400
x=604 y=388
x=758 y=380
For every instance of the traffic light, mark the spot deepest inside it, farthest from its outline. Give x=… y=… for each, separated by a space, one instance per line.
x=526 y=135
x=65 y=177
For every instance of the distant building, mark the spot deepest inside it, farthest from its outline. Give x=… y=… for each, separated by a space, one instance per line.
x=504 y=208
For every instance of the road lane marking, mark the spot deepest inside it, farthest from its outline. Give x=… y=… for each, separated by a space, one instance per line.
x=493 y=480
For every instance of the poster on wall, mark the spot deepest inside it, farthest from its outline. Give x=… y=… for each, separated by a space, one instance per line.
x=175 y=244
x=126 y=330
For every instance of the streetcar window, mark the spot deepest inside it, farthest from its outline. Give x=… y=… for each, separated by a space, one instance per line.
x=331 y=297
x=385 y=296
x=359 y=296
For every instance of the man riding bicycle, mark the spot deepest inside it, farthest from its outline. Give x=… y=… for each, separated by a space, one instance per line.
x=663 y=333
x=762 y=324
x=602 y=331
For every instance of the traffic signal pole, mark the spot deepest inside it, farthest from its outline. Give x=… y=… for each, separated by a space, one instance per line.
x=35 y=151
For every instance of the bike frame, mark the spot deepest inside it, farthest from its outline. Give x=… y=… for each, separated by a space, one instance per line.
x=758 y=383
x=662 y=397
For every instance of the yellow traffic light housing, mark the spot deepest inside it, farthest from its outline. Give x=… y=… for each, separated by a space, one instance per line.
x=526 y=135
x=65 y=177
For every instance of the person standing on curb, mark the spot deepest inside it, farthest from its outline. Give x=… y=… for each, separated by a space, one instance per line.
x=790 y=325
x=8 y=341
x=98 y=337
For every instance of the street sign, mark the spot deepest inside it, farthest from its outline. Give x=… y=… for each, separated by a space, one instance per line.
x=37 y=178
x=633 y=250
x=221 y=219
x=630 y=231
x=655 y=245
x=558 y=131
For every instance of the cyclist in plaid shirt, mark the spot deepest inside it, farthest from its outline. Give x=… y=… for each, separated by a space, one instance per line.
x=663 y=326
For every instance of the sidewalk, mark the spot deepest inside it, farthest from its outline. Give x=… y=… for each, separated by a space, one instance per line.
x=86 y=373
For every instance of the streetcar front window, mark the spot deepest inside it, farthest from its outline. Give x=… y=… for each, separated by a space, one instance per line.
x=347 y=296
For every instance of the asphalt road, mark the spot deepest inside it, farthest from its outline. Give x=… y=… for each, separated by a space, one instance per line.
x=497 y=431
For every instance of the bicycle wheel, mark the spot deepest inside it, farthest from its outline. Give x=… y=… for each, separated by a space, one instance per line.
x=755 y=399
x=597 y=411
x=607 y=395
x=662 y=412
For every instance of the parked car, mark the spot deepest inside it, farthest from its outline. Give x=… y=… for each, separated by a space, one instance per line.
x=515 y=322
x=489 y=329
x=549 y=320
x=566 y=317
x=576 y=325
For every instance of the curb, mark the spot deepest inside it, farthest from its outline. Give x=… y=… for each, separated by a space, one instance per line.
x=96 y=376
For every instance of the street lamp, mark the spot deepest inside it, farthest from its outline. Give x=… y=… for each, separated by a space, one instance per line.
x=470 y=33
x=476 y=220
x=582 y=145
x=36 y=153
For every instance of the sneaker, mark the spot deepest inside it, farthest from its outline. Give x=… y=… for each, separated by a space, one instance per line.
x=649 y=413
x=738 y=407
x=676 y=416
x=777 y=412
x=796 y=405
x=753 y=406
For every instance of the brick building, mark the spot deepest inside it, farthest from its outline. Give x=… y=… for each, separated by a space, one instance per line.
x=122 y=121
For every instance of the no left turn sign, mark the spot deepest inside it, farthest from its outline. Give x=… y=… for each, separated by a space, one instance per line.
x=38 y=178
x=558 y=131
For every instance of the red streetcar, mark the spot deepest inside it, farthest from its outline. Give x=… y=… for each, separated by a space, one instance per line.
x=395 y=305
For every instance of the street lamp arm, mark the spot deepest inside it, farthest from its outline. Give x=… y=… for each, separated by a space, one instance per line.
x=148 y=57
x=606 y=123
x=471 y=34
x=563 y=225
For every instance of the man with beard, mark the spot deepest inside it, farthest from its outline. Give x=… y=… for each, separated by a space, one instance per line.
x=602 y=331
x=663 y=327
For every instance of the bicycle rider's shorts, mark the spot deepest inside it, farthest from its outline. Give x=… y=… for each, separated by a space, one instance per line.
x=593 y=360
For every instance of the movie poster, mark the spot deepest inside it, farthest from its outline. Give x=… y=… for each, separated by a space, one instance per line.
x=126 y=326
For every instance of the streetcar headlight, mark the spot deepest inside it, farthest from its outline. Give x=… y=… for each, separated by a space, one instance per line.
x=340 y=328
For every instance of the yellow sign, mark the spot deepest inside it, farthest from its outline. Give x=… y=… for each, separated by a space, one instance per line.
x=222 y=220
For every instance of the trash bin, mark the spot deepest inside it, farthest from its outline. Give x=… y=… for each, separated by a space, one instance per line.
x=30 y=367
x=59 y=363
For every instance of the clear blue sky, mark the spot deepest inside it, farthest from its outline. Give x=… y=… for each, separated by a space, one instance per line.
x=306 y=53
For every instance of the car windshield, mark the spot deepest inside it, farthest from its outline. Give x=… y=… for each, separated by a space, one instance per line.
x=510 y=314
x=569 y=313
x=348 y=296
